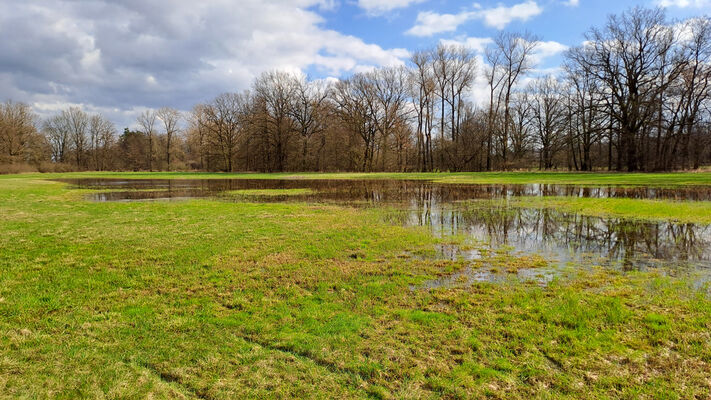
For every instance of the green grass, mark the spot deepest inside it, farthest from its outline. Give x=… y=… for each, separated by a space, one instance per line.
x=221 y=300
x=268 y=192
x=565 y=178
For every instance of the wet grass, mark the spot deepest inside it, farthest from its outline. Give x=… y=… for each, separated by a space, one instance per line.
x=268 y=192
x=217 y=300
x=565 y=178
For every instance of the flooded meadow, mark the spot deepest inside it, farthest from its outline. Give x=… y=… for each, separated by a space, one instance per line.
x=378 y=287
x=482 y=213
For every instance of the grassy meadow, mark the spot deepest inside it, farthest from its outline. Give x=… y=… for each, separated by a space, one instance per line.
x=565 y=178
x=211 y=299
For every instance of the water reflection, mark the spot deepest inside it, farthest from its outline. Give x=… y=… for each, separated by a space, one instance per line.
x=469 y=276
x=566 y=237
x=444 y=208
x=373 y=190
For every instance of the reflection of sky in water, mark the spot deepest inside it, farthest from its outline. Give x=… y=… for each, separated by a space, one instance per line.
x=469 y=276
x=559 y=237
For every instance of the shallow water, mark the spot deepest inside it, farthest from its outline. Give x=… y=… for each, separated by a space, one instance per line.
x=377 y=191
x=560 y=237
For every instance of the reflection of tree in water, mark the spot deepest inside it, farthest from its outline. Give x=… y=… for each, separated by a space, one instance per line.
x=394 y=190
x=634 y=243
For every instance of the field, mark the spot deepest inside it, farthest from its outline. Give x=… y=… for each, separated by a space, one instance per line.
x=213 y=299
x=624 y=179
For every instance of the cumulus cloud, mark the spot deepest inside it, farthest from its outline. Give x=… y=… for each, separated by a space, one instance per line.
x=684 y=3
x=501 y=16
x=547 y=49
x=379 y=7
x=121 y=55
x=429 y=23
x=477 y=44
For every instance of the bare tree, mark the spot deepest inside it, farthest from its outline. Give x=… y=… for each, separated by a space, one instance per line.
x=17 y=131
x=101 y=134
x=147 y=122
x=352 y=108
x=522 y=126
x=56 y=131
x=515 y=52
x=307 y=109
x=549 y=116
x=170 y=118
x=634 y=58
x=422 y=86
x=197 y=134
x=276 y=90
x=689 y=98
x=77 y=123
x=587 y=113
x=225 y=120
x=386 y=100
x=495 y=78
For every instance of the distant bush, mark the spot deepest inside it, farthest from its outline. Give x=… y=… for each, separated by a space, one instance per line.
x=16 y=168
x=47 y=166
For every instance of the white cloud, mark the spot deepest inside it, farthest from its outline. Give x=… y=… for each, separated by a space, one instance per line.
x=127 y=54
x=684 y=3
x=572 y=3
x=429 y=23
x=475 y=43
x=501 y=16
x=379 y=7
x=547 y=49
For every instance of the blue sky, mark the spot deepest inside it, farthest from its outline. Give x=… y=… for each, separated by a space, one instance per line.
x=560 y=21
x=120 y=57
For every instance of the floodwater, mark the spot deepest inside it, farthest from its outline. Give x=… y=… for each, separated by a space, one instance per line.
x=375 y=191
x=559 y=237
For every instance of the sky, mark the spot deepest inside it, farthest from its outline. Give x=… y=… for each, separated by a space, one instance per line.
x=120 y=57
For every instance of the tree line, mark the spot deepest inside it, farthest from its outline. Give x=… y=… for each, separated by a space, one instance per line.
x=634 y=96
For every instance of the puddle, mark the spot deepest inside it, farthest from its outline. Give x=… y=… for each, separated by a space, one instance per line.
x=470 y=276
x=563 y=238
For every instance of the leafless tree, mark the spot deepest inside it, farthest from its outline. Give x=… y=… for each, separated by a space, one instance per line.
x=77 y=123
x=422 y=86
x=170 y=118
x=147 y=122
x=275 y=90
x=101 y=134
x=635 y=58
x=17 y=131
x=308 y=108
x=351 y=99
x=56 y=131
x=549 y=117
x=514 y=57
x=225 y=121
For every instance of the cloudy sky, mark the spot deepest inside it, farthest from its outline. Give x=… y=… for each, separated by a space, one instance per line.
x=119 y=57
